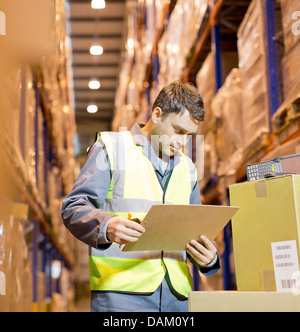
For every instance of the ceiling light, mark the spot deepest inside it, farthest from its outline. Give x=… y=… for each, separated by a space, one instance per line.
x=92 y=109
x=175 y=49
x=55 y=269
x=66 y=109
x=98 y=4
x=130 y=43
x=96 y=50
x=94 y=85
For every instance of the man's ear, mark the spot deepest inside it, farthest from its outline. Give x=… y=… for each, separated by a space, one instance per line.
x=157 y=115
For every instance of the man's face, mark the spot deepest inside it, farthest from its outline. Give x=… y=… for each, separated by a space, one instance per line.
x=172 y=132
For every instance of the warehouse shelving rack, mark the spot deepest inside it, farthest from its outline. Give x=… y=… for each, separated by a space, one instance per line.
x=213 y=26
x=218 y=32
x=42 y=240
x=209 y=38
x=47 y=238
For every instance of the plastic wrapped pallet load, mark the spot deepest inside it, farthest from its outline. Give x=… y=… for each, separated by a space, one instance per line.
x=193 y=15
x=291 y=23
x=227 y=107
x=14 y=263
x=10 y=93
x=291 y=74
x=206 y=84
x=290 y=62
x=252 y=64
x=209 y=161
x=12 y=118
x=171 y=64
x=178 y=39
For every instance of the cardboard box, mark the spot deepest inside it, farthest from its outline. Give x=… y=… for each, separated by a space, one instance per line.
x=243 y=302
x=267 y=218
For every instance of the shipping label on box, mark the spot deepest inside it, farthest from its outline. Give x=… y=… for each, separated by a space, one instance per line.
x=286 y=265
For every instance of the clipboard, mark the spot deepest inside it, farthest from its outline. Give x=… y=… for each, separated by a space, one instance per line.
x=172 y=227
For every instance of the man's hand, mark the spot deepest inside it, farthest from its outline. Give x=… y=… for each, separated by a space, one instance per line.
x=204 y=252
x=122 y=231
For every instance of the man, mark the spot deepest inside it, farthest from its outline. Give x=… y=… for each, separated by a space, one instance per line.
x=125 y=174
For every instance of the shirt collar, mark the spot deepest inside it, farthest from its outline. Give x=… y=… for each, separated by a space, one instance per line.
x=138 y=135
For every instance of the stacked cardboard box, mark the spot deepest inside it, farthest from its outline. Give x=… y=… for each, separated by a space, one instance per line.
x=266 y=233
x=266 y=250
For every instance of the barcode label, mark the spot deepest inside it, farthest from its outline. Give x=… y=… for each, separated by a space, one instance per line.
x=286 y=265
x=288 y=283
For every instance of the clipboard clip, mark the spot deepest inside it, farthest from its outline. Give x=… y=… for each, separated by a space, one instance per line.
x=137 y=220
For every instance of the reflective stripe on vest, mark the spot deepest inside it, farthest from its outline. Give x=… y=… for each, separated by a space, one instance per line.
x=135 y=188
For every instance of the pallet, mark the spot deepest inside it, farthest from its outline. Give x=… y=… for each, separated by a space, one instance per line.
x=286 y=116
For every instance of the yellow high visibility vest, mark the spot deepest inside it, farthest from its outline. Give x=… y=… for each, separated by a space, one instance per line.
x=135 y=188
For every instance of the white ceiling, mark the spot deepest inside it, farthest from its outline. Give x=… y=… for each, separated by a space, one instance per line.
x=107 y=27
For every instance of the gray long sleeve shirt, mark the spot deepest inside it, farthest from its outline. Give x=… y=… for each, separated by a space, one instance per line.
x=81 y=208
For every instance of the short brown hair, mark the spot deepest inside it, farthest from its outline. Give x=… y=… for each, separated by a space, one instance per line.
x=180 y=96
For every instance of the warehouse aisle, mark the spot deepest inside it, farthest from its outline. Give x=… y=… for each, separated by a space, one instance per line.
x=70 y=68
